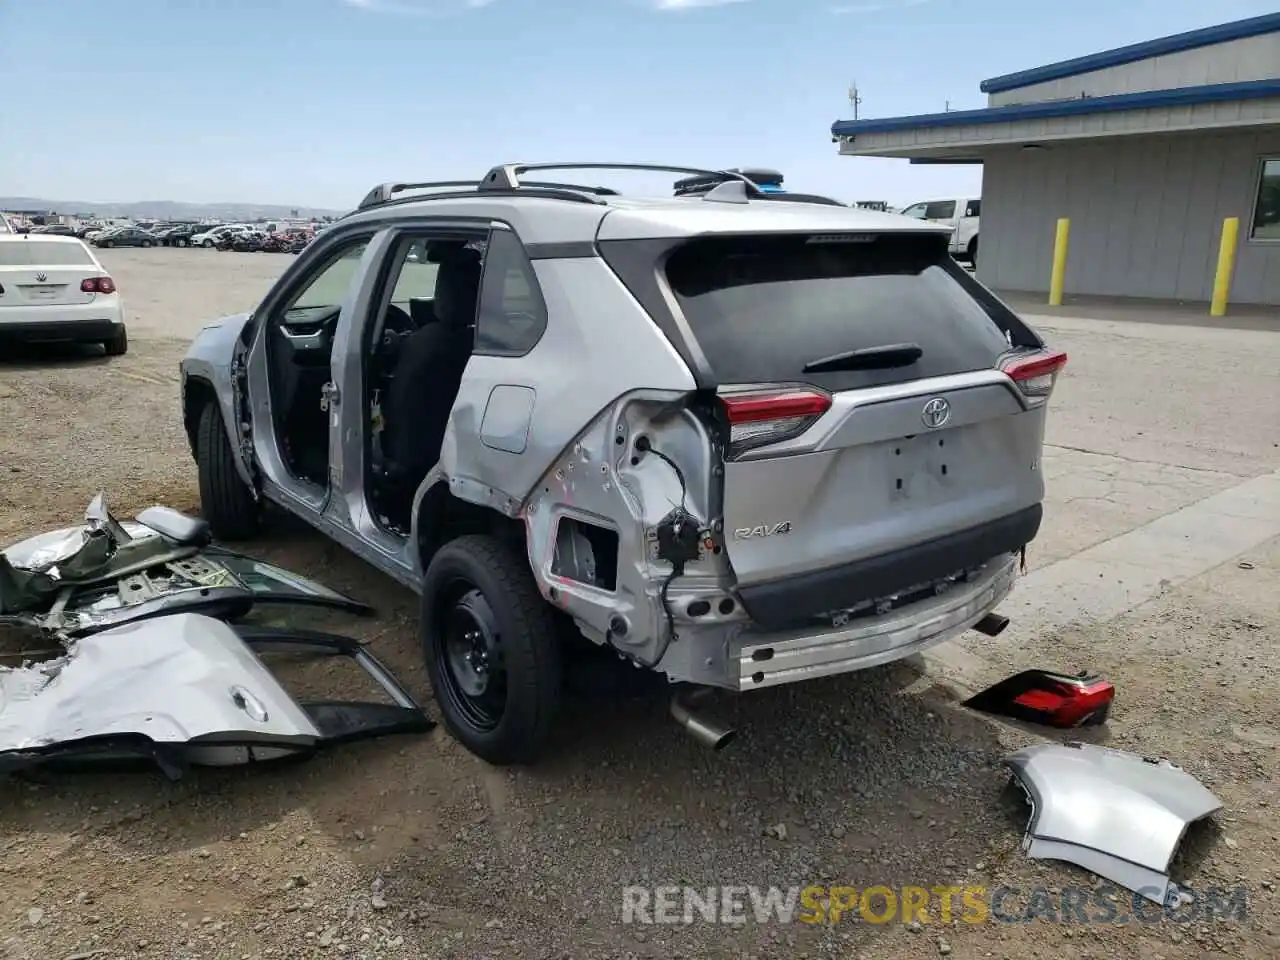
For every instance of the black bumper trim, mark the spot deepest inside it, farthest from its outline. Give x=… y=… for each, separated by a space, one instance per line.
x=54 y=331
x=778 y=604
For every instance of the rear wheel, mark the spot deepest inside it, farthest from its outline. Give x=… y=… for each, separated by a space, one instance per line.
x=491 y=649
x=118 y=344
x=225 y=499
x=146 y=243
x=180 y=242
x=207 y=243
x=973 y=251
x=106 y=243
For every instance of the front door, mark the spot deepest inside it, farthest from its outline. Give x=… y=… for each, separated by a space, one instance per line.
x=294 y=403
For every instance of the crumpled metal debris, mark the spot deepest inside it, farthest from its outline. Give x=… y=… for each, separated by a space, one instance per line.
x=184 y=690
x=104 y=573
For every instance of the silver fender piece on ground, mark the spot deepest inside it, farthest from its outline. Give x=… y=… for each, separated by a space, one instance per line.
x=1117 y=814
x=184 y=690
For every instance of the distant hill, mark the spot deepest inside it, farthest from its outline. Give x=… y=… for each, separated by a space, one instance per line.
x=165 y=209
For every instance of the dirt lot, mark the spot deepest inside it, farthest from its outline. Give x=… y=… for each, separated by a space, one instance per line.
x=410 y=848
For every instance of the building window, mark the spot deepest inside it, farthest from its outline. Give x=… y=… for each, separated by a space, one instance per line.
x=1266 y=211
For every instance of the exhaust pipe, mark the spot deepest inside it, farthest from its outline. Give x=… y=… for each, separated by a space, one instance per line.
x=706 y=731
x=992 y=624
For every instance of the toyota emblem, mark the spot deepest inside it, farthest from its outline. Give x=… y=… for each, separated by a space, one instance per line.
x=936 y=413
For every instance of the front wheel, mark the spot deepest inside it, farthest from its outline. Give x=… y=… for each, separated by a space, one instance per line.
x=491 y=650
x=146 y=243
x=105 y=243
x=225 y=499
x=179 y=242
x=207 y=243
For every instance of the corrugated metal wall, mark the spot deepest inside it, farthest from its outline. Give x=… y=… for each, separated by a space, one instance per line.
x=1146 y=216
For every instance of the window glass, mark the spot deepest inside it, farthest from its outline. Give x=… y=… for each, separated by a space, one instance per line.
x=512 y=315
x=916 y=210
x=764 y=307
x=328 y=288
x=417 y=280
x=973 y=208
x=940 y=210
x=24 y=253
x=1266 y=214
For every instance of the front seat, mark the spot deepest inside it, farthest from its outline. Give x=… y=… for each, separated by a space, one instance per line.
x=428 y=373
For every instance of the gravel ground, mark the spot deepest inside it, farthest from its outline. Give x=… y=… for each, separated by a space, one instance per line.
x=411 y=848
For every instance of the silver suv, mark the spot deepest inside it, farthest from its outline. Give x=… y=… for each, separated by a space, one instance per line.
x=738 y=441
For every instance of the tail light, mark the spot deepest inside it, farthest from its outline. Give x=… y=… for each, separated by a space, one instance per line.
x=1051 y=699
x=1035 y=373
x=761 y=418
x=97 y=285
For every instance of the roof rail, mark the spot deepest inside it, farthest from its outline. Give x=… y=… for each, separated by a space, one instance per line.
x=507 y=176
x=385 y=192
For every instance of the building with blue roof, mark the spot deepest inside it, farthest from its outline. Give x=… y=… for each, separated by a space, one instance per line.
x=1146 y=148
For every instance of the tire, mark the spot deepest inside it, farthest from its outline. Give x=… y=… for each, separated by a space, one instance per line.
x=180 y=242
x=480 y=581
x=225 y=499
x=146 y=243
x=105 y=243
x=207 y=243
x=973 y=251
x=118 y=345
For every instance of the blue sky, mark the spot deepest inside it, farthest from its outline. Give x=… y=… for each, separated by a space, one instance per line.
x=313 y=101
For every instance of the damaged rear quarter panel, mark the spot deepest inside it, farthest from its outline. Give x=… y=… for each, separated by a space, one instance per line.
x=599 y=343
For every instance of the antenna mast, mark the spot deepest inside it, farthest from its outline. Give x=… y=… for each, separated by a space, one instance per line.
x=854 y=98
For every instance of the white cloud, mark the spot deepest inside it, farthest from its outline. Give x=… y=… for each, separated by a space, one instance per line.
x=691 y=4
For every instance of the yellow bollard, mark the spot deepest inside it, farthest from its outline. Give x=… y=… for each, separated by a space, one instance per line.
x=1226 y=264
x=1059 y=262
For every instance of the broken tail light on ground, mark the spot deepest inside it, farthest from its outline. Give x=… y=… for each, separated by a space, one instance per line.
x=761 y=418
x=1049 y=699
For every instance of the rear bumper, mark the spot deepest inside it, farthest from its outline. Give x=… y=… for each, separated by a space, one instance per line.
x=765 y=660
x=780 y=604
x=88 y=322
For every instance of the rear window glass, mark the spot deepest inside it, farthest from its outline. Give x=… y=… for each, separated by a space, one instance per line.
x=25 y=253
x=762 y=308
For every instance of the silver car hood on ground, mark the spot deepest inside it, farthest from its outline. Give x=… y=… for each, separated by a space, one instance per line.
x=184 y=689
x=172 y=680
x=1117 y=814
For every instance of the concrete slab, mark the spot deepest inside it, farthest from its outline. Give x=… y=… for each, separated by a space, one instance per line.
x=1109 y=579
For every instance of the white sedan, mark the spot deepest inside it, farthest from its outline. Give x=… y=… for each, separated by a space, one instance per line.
x=53 y=288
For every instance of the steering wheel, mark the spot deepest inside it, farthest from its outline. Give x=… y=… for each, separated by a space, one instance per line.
x=313 y=331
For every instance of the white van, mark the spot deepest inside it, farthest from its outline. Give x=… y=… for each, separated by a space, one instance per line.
x=959 y=213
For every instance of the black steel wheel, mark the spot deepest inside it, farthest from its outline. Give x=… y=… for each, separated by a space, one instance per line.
x=491 y=650
x=474 y=674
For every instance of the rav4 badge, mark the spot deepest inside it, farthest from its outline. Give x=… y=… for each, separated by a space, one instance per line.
x=763 y=530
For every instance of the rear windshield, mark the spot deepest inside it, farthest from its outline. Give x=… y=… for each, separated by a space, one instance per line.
x=762 y=308
x=25 y=253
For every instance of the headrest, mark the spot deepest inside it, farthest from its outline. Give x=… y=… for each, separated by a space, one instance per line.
x=457 y=291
